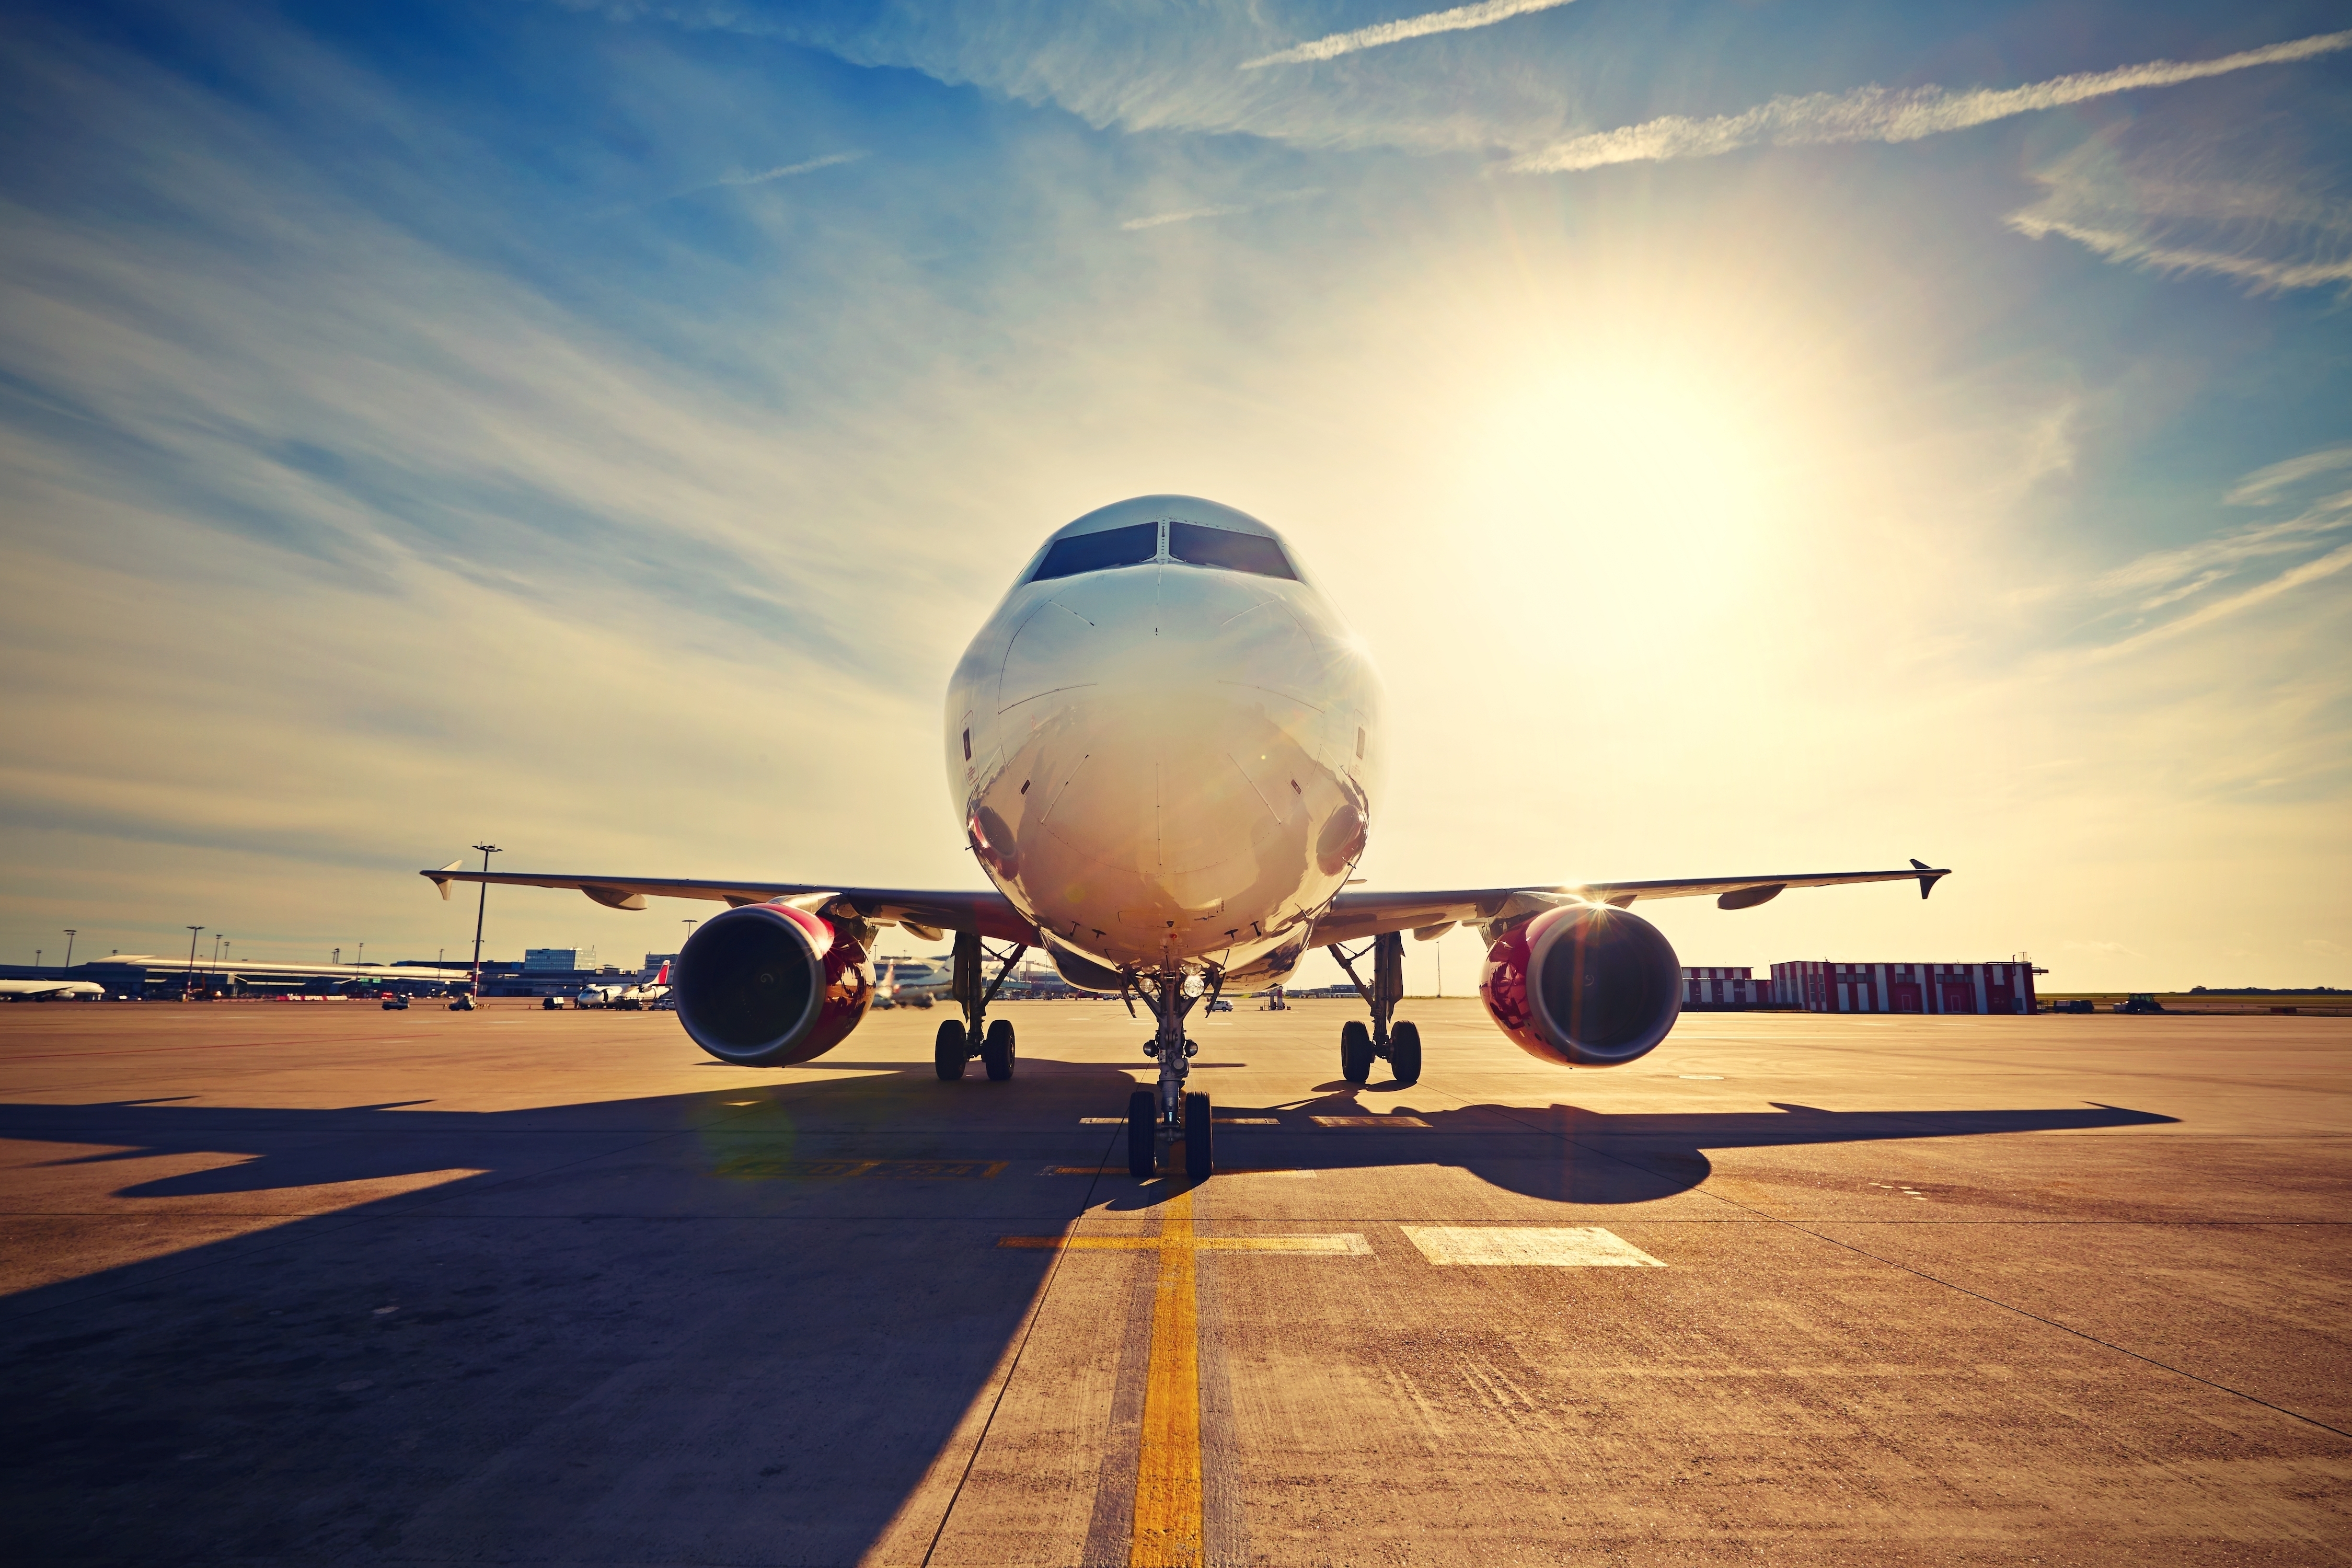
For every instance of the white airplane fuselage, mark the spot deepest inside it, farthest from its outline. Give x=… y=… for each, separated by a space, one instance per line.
x=1165 y=764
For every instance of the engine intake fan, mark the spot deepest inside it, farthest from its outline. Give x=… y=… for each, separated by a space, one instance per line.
x=768 y=984
x=1584 y=984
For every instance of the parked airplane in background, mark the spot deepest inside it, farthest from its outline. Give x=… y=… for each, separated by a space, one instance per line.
x=913 y=983
x=1166 y=749
x=636 y=997
x=50 y=990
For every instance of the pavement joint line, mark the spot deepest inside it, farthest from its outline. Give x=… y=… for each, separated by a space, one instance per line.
x=1978 y=1295
x=1011 y=1370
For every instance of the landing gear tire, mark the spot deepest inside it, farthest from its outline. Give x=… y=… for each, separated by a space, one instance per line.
x=1355 y=1051
x=1200 y=1138
x=1404 y=1053
x=996 y=1050
x=949 y=1053
x=1142 y=1135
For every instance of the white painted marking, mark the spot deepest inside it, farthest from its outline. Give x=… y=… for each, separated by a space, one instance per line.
x=1369 y=1122
x=1702 y=1077
x=1555 y=1247
x=1249 y=1120
x=1102 y=1121
x=1295 y=1176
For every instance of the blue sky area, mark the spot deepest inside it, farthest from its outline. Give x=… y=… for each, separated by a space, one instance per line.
x=1749 y=436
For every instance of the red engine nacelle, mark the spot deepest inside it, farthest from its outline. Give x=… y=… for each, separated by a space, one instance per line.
x=1585 y=984
x=768 y=984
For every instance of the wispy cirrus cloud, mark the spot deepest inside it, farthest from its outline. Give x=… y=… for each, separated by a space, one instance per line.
x=2259 y=231
x=2258 y=487
x=2327 y=566
x=2166 y=577
x=1458 y=19
x=1887 y=114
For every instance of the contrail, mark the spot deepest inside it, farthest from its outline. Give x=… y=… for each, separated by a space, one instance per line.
x=1484 y=15
x=1188 y=214
x=1884 y=114
x=1156 y=219
x=827 y=162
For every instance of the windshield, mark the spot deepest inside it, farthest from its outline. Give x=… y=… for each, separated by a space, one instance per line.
x=1219 y=547
x=1129 y=546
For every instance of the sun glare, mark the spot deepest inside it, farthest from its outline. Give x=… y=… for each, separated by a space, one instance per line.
x=1627 y=489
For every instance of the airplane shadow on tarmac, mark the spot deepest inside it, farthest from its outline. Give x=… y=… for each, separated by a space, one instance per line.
x=732 y=1326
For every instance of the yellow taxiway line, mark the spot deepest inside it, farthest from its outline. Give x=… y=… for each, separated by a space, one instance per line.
x=1168 y=1529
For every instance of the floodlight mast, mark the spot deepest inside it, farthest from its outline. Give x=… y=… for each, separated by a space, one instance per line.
x=481 y=906
x=188 y=986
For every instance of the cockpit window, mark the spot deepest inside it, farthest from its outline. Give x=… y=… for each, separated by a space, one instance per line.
x=1129 y=546
x=1250 y=552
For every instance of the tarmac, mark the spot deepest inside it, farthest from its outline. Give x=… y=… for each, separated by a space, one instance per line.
x=286 y=1283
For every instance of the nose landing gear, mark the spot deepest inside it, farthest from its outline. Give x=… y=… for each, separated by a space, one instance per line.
x=1399 y=1042
x=1168 y=1109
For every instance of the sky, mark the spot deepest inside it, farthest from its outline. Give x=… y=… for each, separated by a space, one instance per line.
x=1749 y=437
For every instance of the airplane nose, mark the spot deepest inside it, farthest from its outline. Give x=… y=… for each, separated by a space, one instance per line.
x=1170 y=758
x=1146 y=633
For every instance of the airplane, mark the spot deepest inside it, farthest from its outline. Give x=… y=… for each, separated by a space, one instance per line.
x=1166 y=748
x=50 y=990
x=912 y=983
x=634 y=997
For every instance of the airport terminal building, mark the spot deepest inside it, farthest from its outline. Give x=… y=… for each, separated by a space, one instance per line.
x=1821 y=987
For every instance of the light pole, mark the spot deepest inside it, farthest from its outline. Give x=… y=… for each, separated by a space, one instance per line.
x=37 y=958
x=481 y=906
x=188 y=986
x=70 y=936
x=363 y=956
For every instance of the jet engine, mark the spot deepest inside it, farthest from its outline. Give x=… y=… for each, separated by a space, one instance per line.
x=1585 y=984
x=768 y=984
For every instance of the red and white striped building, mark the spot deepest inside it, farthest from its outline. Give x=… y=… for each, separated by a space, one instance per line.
x=1707 y=989
x=1825 y=987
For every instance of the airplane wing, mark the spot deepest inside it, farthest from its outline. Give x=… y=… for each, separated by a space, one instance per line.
x=1354 y=916
x=929 y=912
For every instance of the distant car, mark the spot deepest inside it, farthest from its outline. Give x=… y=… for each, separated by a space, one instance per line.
x=463 y=1004
x=394 y=1002
x=2139 y=1002
x=1219 y=1005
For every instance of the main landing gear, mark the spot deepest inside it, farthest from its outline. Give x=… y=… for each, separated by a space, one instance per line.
x=1168 y=1110
x=971 y=1035
x=1399 y=1042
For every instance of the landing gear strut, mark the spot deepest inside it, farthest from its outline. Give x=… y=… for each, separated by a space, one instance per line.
x=1400 y=1042
x=1168 y=1110
x=958 y=1041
